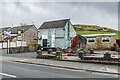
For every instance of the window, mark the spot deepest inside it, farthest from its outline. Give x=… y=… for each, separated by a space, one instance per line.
x=19 y=32
x=107 y=39
x=19 y=38
x=91 y=40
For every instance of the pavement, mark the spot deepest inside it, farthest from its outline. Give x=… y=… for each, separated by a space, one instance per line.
x=104 y=51
x=33 y=54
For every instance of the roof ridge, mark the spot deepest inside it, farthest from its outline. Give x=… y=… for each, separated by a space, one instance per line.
x=54 y=24
x=22 y=26
x=57 y=20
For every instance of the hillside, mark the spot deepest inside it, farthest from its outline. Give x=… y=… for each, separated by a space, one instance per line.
x=97 y=32
x=91 y=29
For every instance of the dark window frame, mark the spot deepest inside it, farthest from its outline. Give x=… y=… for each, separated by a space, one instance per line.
x=94 y=40
x=106 y=40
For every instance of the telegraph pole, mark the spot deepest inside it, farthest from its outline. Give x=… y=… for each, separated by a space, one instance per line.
x=7 y=46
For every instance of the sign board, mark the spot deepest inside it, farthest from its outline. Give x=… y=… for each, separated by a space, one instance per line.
x=53 y=40
x=59 y=35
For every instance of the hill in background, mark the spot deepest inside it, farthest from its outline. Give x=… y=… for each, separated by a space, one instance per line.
x=92 y=29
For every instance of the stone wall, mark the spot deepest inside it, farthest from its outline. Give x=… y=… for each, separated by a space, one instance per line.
x=99 y=45
x=32 y=48
x=30 y=34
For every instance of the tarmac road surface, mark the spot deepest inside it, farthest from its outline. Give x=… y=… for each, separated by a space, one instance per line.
x=22 y=70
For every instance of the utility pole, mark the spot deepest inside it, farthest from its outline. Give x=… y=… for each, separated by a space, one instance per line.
x=7 y=46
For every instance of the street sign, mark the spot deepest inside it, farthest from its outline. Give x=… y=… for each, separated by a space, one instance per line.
x=6 y=35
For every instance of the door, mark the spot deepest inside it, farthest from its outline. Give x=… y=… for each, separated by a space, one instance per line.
x=44 y=42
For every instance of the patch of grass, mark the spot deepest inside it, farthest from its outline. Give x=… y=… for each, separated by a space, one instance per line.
x=97 y=32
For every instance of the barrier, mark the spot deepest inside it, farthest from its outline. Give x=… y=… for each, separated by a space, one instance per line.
x=13 y=44
x=4 y=45
x=19 y=43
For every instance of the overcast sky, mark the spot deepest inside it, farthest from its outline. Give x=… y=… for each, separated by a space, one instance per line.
x=96 y=13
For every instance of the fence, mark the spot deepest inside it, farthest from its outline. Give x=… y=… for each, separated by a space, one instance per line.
x=13 y=44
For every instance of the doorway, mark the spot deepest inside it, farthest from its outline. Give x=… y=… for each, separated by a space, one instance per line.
x=44 y=42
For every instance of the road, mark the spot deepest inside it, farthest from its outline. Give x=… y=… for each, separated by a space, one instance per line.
x=22 y=70
x=25 y=55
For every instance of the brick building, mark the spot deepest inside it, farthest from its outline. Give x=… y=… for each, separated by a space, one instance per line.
x=27 y=33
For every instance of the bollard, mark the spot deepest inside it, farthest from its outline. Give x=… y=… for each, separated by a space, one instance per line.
x=81 y=55
x=50 y=51
x=39 y=52
x=107 y=56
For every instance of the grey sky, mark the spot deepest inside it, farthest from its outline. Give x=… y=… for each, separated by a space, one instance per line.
x=96 y=13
